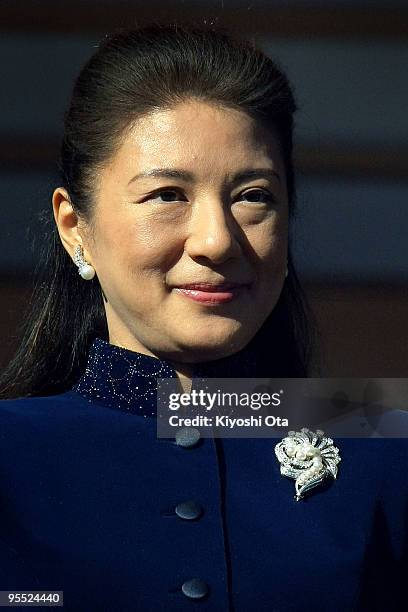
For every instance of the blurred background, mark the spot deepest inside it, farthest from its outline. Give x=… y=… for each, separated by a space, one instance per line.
x=347 y=62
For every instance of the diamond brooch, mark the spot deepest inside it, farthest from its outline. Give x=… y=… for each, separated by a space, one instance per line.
x=308 y=457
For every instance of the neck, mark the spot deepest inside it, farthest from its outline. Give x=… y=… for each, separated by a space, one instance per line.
x=184 y=372
x=185 y=382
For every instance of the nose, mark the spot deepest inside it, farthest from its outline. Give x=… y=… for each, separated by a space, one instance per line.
x=212 y=233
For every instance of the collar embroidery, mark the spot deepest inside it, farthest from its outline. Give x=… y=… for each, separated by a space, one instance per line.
x=127 y=380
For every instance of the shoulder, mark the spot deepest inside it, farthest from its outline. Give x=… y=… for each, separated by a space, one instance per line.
x=369 y=421
x=26 y=407
x=29 y=420
x=42 y=418
x=393 y=424
x=66 y=419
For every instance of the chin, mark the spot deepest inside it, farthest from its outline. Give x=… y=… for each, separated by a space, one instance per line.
x=214 y=344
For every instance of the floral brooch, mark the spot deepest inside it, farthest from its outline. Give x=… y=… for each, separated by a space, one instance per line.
x=308 y=457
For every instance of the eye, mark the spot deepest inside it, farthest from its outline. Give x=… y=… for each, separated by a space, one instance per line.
x=259 y=195
x=168 y=195
x=171 y=195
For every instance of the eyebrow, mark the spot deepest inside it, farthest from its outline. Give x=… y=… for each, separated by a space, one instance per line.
x=238 y=177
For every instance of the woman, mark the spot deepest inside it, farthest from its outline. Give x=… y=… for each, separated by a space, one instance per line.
x=176 y=193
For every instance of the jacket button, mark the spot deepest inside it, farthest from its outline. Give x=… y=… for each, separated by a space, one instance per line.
x=187 y=437
x=189 y=510
x=195 y=588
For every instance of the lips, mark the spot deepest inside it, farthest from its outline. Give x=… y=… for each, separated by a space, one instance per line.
x=211 y=287
x=211 y=294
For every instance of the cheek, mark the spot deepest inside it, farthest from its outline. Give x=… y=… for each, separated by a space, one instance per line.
x=136 y=247
x=269 y=242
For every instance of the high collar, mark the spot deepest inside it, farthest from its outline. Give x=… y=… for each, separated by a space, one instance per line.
x=127 y=380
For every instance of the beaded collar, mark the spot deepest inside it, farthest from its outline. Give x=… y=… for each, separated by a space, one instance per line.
x=127 y=380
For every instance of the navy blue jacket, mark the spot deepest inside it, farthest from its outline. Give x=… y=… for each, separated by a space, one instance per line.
x=94 y=504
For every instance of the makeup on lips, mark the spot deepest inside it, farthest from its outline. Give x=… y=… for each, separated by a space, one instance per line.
x=211 y=294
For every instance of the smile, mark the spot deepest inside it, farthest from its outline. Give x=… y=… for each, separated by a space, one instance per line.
x=213 y=296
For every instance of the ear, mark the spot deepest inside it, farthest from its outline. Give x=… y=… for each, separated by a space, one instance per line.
x=67 y=221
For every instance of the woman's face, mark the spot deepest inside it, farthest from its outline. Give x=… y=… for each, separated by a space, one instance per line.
x=171 y=209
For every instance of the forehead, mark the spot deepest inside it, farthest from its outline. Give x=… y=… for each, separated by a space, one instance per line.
x=196 y=134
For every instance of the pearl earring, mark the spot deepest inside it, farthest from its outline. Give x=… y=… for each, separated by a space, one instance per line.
x=287 y=272
x=85 y=269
